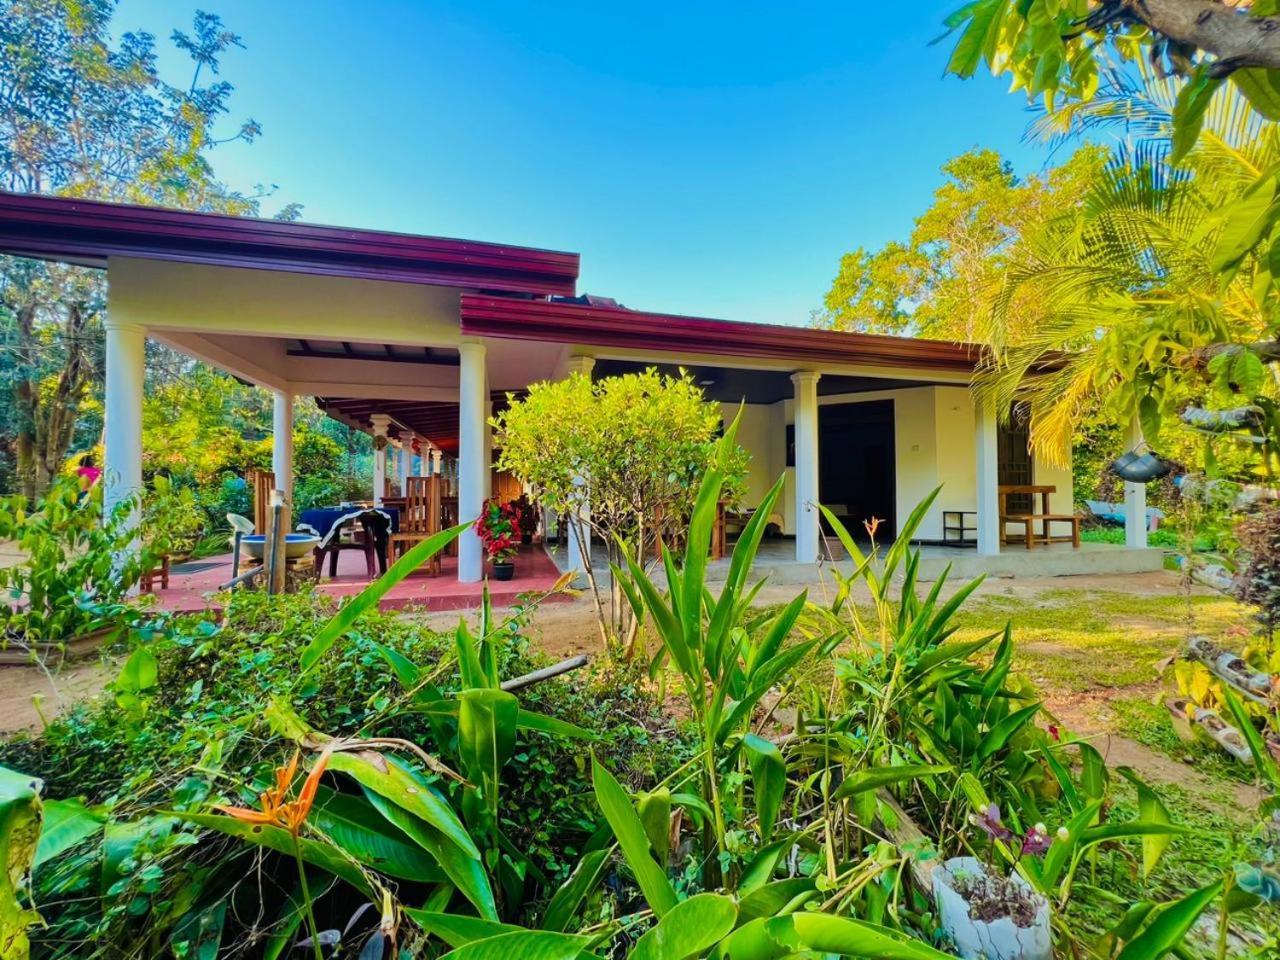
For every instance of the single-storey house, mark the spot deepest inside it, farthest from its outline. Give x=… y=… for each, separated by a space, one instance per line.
x=414 y=338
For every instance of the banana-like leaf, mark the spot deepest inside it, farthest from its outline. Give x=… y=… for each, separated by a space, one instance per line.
x=455 y=929
x=654 y=810
x=368 y=598
x=877 y=777
x=326 y=856
x=1151 y=809
x=20 y=813
x=777 y=898
x=66 y=823
x=585 y=877
x=1000 y=734
x=487 y=723
x=525 y=945
x=777 y=937
x=629 y=832
x=388 y=777
x=768 y=781
x=689 y=928
x=528 y=720
x=1170 y=926
x=358 y=828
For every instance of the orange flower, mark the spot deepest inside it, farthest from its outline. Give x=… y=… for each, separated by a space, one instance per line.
x=872 y=526
x=276 y=809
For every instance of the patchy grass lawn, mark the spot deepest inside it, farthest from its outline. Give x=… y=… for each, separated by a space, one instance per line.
x=1078 y=641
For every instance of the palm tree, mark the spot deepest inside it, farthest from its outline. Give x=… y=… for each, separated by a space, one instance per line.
x=1146 y=279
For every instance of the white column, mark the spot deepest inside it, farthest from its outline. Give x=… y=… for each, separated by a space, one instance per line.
x=580 y=557
x=282 y=442
x=437 y=463
x=987 y=479
x=380 y=422
x=122 y=433
x=1135 y=499
x=406 y=463
x=806 y=428
x=473 y=455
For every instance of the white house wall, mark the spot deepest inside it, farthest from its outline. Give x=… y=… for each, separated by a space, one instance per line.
x=230 y=300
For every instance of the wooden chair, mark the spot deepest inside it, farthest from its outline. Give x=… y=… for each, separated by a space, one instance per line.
x=420 y=517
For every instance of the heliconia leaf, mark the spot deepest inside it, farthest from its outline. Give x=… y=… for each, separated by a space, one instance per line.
x=455 y=929
x=629 y=832
x=1170 y=926
x=654 y=810
x=368 y=598
x=66 y=823
x=389 y=777
x=689 y=928
x=528 y=720
x=566 y=901
x=359 y=829
x=773 y=938
x=315 y=852
x=768 y=780
x=876 y=777
x=1000 y=734
x=1151 y=809
x=525 y=944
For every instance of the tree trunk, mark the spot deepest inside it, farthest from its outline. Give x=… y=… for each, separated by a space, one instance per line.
x=46 y=412
x=1237 y=39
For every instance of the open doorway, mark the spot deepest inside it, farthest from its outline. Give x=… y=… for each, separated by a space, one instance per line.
x=857 y=479
x=1014 y=465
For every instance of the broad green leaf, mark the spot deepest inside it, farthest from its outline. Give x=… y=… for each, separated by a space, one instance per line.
x=1150 y=810
x=689 y=928
x=777 y=937
x=1168 y=929
x=367 y=599
x=356 y=826
x=525 y=944
x=315 y=852
x=19 y=836
x=1188 y=112
x=654 y=810
x=768 y=780
x=1261 y=87
x=540 y=722
x=66 y=823
x=779 y=897
x=1245 y=222
x=999 y=734
x=487 y=723
x=877 y=777
x=388 y=777
x=629 y=832
x=456 y=929
x=585 y=877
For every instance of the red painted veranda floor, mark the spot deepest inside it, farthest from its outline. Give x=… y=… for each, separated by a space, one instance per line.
x=194 y=586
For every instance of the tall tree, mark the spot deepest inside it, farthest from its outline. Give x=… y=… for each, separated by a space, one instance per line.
x=942 y=280
x=84 y=116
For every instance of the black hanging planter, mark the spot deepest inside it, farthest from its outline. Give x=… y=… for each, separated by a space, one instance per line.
x=1141 y=467
x=503 y=570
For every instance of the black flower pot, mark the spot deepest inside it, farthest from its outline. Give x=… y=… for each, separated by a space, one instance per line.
x=503 y=570
x=1135 y=467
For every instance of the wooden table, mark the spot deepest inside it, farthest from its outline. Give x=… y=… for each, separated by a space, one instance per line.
x=1046 y=517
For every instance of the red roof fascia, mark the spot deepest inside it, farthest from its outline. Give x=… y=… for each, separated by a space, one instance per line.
x=89 y=231
x=618 y=327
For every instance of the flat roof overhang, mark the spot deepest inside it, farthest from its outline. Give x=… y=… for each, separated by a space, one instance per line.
x=635 y=330
x=87 y=232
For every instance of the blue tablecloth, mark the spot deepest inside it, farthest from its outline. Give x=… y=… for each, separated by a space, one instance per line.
x=325 y=522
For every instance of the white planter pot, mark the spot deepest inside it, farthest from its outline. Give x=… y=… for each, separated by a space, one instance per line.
x=999 y=939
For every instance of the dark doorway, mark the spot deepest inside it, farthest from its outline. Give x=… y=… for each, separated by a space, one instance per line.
x=856 y=475
x=1013 y=464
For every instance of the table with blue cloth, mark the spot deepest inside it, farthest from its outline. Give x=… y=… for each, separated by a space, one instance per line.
x=328 y=522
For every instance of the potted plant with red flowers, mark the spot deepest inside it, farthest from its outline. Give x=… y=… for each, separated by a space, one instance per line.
x=526 y=518
x=496 y=528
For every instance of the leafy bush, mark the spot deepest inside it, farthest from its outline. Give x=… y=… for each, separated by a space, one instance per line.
x=77 y=568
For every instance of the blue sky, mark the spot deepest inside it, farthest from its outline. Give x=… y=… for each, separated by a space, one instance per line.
x=704 y=158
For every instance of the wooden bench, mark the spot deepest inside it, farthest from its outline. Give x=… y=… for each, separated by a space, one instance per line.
x=1028 y=520
x=1030 y=537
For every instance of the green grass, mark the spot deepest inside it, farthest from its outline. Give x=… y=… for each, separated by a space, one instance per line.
x=1159 y=538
